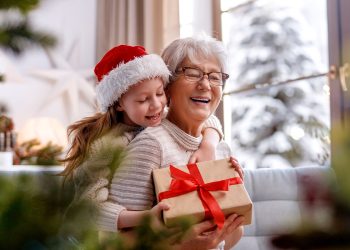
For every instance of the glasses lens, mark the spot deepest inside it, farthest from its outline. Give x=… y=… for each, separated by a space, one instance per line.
x=215 y=78
x=193 y=74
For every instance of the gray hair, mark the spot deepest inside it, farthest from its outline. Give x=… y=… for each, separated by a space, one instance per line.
x=195 y=49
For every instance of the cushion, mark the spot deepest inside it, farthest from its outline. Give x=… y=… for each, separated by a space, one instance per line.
x=278 y=202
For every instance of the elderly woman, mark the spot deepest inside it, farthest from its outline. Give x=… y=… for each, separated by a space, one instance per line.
x=194 y=93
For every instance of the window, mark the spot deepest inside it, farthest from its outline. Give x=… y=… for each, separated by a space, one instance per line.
x=272 y=119
x=270 y=42
x=193 y=21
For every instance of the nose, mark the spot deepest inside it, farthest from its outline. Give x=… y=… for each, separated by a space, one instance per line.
x=156 y=103
x=204 y=83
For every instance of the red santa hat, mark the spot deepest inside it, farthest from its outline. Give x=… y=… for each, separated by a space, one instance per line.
x=122 y=67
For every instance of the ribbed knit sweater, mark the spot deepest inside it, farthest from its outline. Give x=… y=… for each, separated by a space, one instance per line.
x=156 y=147
x=92 y=178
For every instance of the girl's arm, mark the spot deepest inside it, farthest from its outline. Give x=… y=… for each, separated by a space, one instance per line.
x=133 y=218
x=132 y=185
x=212 y=134
x=206 y=150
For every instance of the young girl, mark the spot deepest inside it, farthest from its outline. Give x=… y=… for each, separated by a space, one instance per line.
x=130 y=94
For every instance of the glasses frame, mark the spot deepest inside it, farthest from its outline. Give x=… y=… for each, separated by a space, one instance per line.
x=183 y=69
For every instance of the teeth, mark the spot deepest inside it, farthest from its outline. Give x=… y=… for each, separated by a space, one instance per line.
x=204 y=100
x=153 y=117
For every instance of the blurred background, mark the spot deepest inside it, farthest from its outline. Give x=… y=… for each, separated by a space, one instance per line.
x=288 y=67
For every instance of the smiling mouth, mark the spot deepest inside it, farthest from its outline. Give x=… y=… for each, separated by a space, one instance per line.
x=201 y=100
x=153 y=117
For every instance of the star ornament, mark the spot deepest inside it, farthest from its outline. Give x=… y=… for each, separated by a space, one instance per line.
x=72 y=87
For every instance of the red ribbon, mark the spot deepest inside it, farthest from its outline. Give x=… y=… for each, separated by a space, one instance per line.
x=183 y=183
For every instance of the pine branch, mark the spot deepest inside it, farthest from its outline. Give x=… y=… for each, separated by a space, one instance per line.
x=19 y=36
x=22 y=5
x=36 y=213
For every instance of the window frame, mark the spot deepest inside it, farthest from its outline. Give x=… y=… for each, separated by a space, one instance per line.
x=339 y=53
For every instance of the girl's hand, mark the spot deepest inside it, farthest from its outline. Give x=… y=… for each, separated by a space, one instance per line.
x=156 y=213
x=237 y=167
x=206 y=152
x=128 y=218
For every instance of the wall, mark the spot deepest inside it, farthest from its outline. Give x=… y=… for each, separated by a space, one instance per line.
x=73 y=22
x=57 y=89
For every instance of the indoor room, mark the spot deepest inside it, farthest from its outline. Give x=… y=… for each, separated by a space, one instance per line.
x=85 y=163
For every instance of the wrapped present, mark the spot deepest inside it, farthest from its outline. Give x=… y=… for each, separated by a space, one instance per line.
x=211 y=189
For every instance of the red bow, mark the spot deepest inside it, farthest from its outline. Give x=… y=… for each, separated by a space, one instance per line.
x=183 y=183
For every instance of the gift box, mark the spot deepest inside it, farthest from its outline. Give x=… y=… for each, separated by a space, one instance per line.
x=204 y=190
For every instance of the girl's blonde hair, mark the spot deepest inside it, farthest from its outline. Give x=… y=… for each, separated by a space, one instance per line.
x=83 y=133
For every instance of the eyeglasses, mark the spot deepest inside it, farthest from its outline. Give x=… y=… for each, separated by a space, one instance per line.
x=196 y=75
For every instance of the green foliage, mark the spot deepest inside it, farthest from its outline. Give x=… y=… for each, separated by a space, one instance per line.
x=152 y=239
x=32 y=212
x=18 y=36
x=23 y=5
x=147 y=236
x=38 y=212
x=29 y=153
x=341 y=160
x=109 y=154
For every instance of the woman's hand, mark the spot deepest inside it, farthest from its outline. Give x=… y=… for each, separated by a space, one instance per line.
x=206 y=235
x=237 y=167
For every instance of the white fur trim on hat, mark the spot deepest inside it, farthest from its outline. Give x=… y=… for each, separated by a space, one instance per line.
x=118 y=80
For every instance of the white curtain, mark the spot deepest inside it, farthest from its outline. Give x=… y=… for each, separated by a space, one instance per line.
x=150 y=23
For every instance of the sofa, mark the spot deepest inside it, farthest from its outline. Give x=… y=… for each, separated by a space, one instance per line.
x=278 y=203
